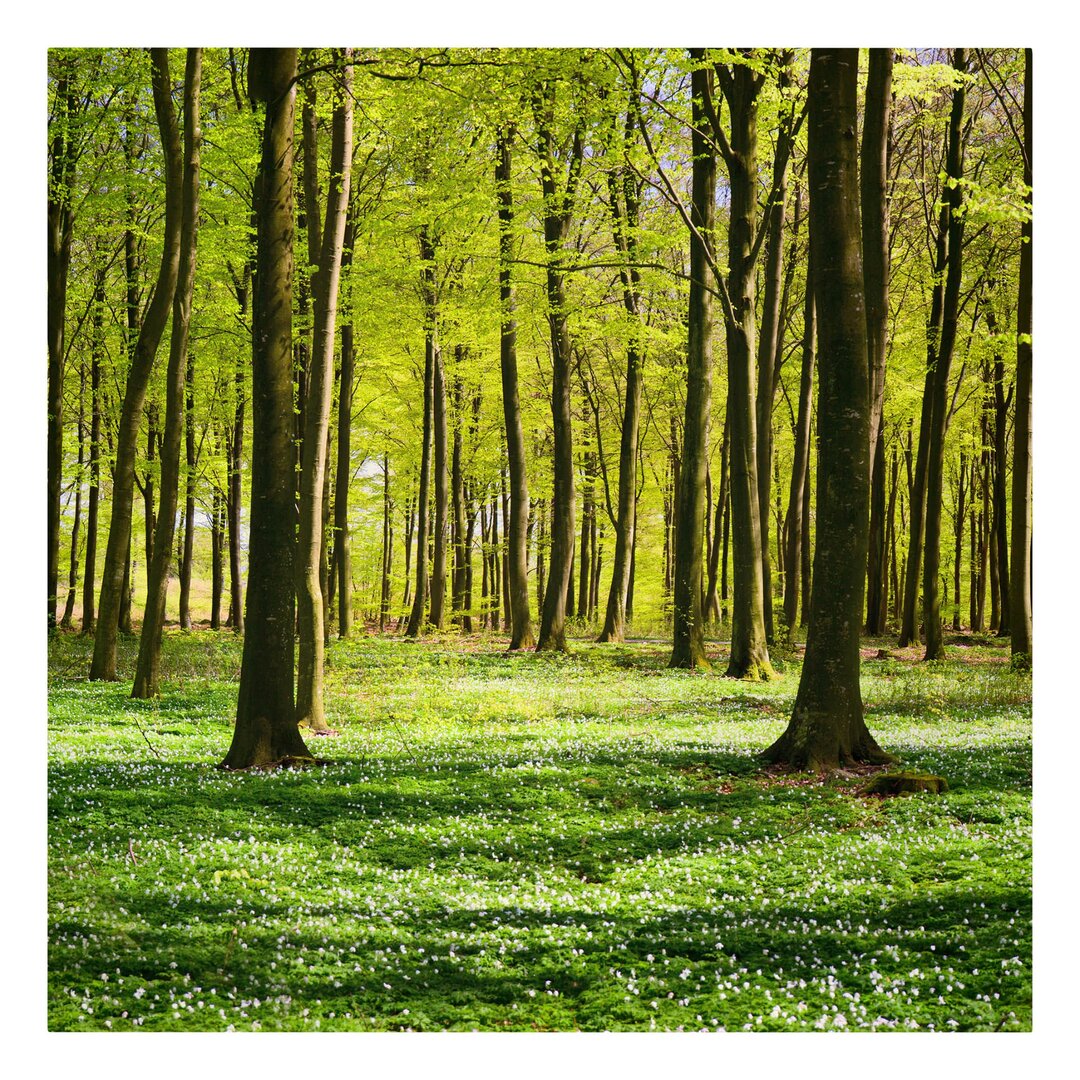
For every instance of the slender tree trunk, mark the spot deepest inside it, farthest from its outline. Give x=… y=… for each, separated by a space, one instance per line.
x=558 y=201
x=521 y=634
x=953 y=198
x=97 y=352
x=217 y=568
x=958 y=548
x=266 y=731
x=342 y=537
x=73 y=560
x=387 y=547
x=1020 y=577
x=688 y=648
x=442 y=501
x=827 y=727
x=61 y=221
x=147 y=679
x=712 y=597
x=189 y=495
x=310 y=711
x=103 y=665
x=799 y=494
x=1000 y=516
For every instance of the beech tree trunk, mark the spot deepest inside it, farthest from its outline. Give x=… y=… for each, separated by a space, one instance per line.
x=688 y=648
x=96 y=354
x=189 y=495
x=827 y=727
x=266 y=731
x=953 y=201
x=325 y=280
x=147 y=679
x=342 y=538
x=437 y=616
x=103 y=664
x=1020 y=577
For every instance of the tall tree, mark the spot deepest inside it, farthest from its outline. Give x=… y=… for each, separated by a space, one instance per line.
x=1020 y=576
x=342 y=537
x=827 y=727
x=103 y=664
x=147 y=666
x=325 y=277
x=266 y=731
x=688 y=649
x=939 y=415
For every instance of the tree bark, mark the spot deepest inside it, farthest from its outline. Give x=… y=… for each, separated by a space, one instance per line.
x=827 y=727
x=342 y=537
x=1020 y=577
x=147 y=673
x=266 y=731
x=96 y=354
x=437 y=617
x=688 y=648
x=953 y=200
x=326 y=275
x=103 y=664
x=189 y=495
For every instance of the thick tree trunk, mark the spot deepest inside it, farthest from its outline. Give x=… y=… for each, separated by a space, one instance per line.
x=266 y=731
x=953 y=200
x=1020 y=577
x=103 y=665
x=688 y=647
x=827 y=728
x=146 y=684
x=749 y=649
x=326 y=276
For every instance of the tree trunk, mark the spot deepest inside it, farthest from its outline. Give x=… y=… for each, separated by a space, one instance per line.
x=73 y=560
x=688 y=647
x=325 y=281
x=217 y=569
x=796 y=540
x=558 y=202
x=266 y=731
x=97 y=352
x=189 y=495
x=147 y=680
x=342 y=537
x=827 y=727
x=103 y=664
x=953 y=200
x=1020 y=577
x=437 y=616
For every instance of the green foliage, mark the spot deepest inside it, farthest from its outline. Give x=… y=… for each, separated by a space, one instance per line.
x=534 y=842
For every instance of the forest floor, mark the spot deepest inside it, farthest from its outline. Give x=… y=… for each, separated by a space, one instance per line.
x=532 y=842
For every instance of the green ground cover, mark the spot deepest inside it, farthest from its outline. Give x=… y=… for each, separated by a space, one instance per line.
x=524 y=842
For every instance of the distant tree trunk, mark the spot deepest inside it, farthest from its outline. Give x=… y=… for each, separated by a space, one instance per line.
x=103 y=664
x=873 y=178
x=325 y=279
x=147 y=680
x=96 y=354
x=189 y=494
x=507 y=617
x=234 y=445
x=796 y=540
x=217 y=569
x=521 y=634
x=437 y=616
x=953 y=199
x=1001 y=513
x=409 y=515
x=712 y=596
x=540 y=513
x=457 y=499
x=61 y=220
x=958 y=550
x=266 y=731
x=387 y=547
x=624 y=196
x=342 y=538
x=73 y=561
x=558 y=203
x=827 y=728
x=688 y=647
x=588 y=534
x=1020 y=578
x=427 y=278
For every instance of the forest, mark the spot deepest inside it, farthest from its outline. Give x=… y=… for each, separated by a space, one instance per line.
x=579 y=499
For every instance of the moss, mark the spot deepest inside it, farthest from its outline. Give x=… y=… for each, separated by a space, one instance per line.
x=905 y=783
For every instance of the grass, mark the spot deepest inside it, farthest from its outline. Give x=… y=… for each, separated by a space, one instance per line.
x=534 y=843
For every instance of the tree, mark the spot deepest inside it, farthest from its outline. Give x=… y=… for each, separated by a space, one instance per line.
x=326 y=274
x=113 y=585
x=1020 y=582
x=266 y=731
x=146 y=670
x=827 y=727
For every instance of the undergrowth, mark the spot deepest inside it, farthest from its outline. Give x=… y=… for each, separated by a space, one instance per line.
x=531 y=842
